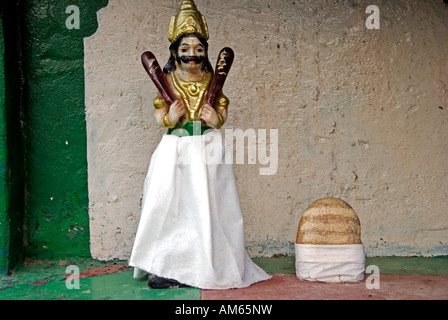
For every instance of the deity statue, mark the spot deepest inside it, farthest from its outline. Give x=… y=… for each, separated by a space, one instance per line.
x=190 y=231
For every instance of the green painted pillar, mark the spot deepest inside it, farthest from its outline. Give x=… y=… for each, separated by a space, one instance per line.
x=4 y=224
x=43 y=147
x=11 y=154
x=56 y=212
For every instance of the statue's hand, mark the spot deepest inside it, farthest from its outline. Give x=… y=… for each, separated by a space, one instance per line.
x=177 y=110
x=210 y=116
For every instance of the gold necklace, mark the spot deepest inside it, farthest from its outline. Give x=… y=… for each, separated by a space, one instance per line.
x=192 y=89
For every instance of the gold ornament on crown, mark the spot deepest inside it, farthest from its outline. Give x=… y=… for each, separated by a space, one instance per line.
x=187 y=20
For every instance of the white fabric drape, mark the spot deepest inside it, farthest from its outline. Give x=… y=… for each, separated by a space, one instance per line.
x=191 y=225
x=330 y=263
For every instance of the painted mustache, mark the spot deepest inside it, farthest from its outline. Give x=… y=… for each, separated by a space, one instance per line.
x=195 y=59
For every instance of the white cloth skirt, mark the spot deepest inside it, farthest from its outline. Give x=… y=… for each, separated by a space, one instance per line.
x=191 y=225
x=330 y=263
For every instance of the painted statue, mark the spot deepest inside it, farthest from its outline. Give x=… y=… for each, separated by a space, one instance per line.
x=191 y=227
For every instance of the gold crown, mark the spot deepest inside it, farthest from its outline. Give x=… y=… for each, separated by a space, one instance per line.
x=187 y=20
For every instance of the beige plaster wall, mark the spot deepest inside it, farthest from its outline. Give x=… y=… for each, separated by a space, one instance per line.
x=361 y=115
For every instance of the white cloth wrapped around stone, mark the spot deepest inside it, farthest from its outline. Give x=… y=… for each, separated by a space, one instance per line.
x=330 y=263
x=191 y=225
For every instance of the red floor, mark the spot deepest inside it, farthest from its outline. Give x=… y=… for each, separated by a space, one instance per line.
x=288 y=287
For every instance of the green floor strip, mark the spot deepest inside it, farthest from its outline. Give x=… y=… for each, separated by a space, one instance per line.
x=410 y=265
x=46 y=281
x=396 y=265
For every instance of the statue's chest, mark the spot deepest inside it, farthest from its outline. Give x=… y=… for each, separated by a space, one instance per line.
x=192 y=94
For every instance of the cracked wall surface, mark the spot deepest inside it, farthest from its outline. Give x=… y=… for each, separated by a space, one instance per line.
x=362 y=114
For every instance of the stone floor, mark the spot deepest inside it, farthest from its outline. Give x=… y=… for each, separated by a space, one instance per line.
x=400 y=278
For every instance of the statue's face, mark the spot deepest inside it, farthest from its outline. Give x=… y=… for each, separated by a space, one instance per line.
x=191 y=54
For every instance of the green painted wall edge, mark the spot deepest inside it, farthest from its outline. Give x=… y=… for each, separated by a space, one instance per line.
x=56 y=201
x=4 y=225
